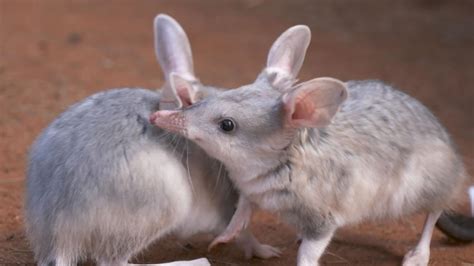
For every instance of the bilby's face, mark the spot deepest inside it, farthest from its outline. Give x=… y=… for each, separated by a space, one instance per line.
x=237 y=126
x=254 y=124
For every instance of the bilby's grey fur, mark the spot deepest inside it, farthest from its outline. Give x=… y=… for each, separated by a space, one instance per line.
x=368 y=151
x=104 y=183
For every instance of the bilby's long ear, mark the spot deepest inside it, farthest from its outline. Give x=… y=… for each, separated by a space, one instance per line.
x=172 y=47
x=313 y=103
x=173 y=52
x=185 y=91
x=286 y=56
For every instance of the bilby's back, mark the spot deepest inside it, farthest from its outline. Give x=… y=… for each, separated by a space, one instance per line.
x=384 y=154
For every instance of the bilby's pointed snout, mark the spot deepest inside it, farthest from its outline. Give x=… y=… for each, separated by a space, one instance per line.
x=172 y=121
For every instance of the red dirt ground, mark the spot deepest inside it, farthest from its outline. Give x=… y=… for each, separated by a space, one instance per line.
x=53 y=53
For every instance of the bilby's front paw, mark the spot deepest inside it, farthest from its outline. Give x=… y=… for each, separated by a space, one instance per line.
x=416 y=257
x=237 y=224
x=222 y=239
x=261 y=251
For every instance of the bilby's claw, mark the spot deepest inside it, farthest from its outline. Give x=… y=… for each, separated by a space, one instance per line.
x=262 y=251
x=223 y=238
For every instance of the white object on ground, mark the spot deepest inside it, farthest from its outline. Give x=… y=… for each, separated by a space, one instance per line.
x=471 y=196
x=197 y=262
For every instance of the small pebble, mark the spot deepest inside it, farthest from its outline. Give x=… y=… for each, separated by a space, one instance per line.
x=74 y=38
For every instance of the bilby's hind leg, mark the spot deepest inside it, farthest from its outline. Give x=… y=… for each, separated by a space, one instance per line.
x=420 y=255
x=311 y=249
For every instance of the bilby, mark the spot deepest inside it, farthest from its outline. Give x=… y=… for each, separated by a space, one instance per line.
x=324 y=153
x=103 y=183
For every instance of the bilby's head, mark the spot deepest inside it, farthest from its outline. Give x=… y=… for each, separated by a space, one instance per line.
x=249 y=128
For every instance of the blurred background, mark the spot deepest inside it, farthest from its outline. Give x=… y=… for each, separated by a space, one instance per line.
x=54 y=53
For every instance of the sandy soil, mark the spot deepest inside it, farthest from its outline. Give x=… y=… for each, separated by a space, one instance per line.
x=53 y=53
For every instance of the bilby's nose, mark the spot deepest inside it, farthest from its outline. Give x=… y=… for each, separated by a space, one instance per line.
x=161 y=114
x=173 y=121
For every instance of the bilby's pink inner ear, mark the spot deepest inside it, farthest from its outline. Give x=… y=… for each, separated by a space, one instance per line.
x=184 y=95
x=303 y=108
x=313 y=103
x=184 y=89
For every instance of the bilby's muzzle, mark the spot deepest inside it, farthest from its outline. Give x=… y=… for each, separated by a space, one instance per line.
x=172 y=121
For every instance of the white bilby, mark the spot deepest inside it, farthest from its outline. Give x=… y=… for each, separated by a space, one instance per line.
x=324 y=153
x=103 y=183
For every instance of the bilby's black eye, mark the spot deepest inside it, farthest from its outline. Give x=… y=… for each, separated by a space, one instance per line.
x=227 y=125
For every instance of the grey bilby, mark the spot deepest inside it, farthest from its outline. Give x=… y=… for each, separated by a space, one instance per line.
x=103 y=183
x=324 y=153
